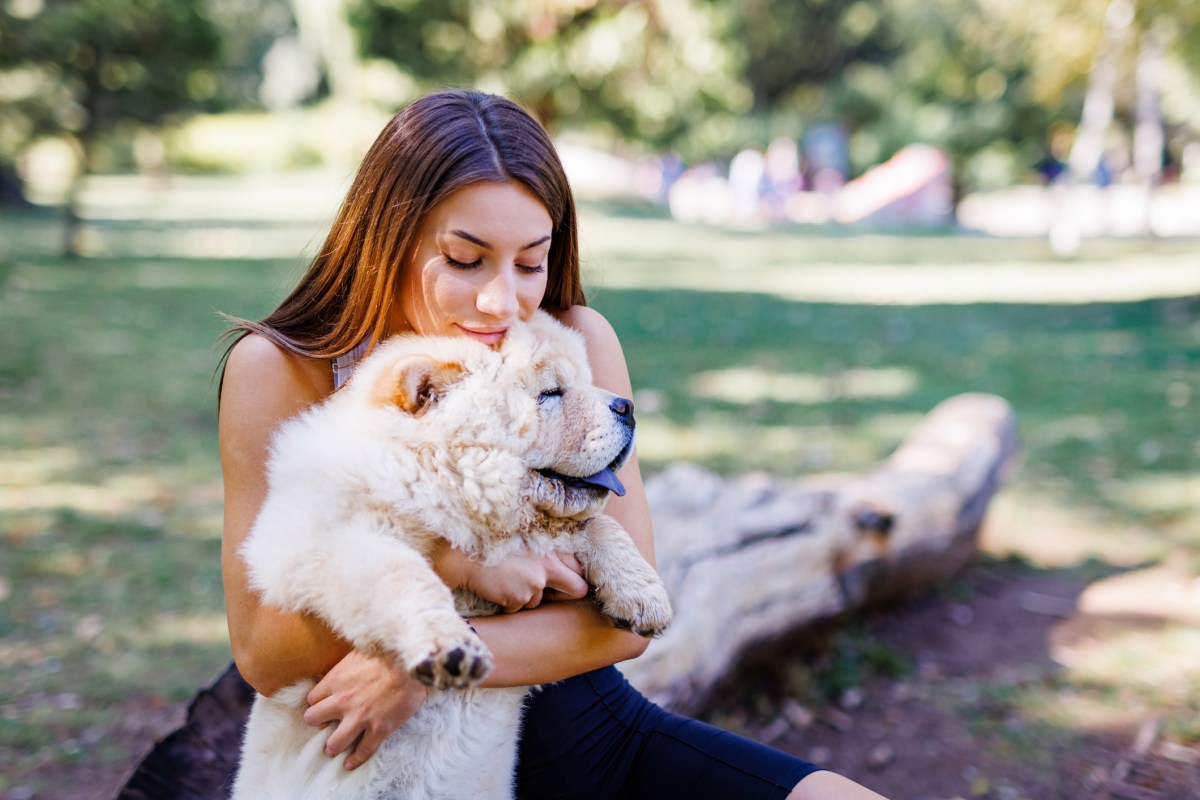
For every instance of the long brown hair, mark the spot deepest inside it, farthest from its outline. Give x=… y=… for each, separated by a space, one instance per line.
x=435 y=146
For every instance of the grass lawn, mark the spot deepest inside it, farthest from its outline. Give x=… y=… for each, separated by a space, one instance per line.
x=110 y=497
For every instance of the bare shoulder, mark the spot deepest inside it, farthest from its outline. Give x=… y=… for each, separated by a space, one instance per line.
x=596 y=330
x=266 y=383
x=603 y=347
x=257 y=356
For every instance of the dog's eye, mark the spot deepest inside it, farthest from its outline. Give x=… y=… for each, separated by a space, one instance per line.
x=550 y=393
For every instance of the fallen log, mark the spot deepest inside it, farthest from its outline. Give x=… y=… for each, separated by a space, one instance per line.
x=749 y=562
x=753 y=561
x=198 y=760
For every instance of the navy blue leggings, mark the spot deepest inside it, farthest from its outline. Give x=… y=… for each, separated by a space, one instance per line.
x=594 y=736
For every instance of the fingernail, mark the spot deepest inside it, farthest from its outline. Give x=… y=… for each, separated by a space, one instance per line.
x=350 y=764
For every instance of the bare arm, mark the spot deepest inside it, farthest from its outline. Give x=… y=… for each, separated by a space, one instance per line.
x=263 y=387
x=273 y=648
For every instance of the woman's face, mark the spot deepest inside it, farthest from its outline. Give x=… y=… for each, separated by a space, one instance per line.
x=478 y=265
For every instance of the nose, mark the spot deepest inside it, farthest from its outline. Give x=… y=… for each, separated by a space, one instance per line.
x=623 y=408
x=498 y=297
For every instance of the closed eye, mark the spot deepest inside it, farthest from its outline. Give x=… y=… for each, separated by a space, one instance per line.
x=524 y=269
x=453 y=262
x=550 y=393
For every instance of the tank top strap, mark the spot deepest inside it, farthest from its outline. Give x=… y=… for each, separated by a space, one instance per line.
x=344 y=365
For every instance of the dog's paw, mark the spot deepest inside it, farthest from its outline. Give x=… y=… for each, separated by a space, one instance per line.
x=455 y=663
x=646 y=612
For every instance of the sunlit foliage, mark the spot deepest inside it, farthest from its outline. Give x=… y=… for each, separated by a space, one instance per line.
x=662 y=73
x=76 y=66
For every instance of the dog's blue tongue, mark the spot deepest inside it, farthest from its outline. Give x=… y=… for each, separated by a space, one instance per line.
x=607 y=479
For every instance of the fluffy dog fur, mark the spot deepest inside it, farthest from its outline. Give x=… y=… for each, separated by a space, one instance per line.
x=435 y=438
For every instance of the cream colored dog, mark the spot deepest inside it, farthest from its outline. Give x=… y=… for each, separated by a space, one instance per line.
x=436 y=438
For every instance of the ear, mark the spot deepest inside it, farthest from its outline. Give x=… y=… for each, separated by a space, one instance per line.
x=415 y=383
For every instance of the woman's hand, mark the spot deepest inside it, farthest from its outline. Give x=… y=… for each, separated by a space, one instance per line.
x=368 y=697
x=564 y=578
x=522 y=580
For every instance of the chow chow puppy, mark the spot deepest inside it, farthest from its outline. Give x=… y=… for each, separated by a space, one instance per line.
x=490 y=449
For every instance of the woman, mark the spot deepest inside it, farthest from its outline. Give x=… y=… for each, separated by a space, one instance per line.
x=461 y=222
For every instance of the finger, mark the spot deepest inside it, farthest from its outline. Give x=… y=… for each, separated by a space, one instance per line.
x=344 y=737
x=364 y=748
x=565 y=580
x=570 y=561
x=319 y=692
x=535 y=600
x=322 y=713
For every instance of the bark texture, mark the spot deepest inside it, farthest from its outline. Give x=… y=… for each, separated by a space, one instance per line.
x=753 y=561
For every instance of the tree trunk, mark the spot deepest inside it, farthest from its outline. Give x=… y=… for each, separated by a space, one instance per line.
x=12 y=193
x=1148 y=127
x=752 y=562
x=73 y=221
x=1087 y=154
x=1088 y=150
x=328 y=36
x=198 y=760
x=1148 y=131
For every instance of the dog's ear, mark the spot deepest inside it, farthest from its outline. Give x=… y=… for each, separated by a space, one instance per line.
x=415 y=383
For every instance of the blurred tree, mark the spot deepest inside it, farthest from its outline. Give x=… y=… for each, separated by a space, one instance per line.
x=895 y=72
x=326 y=32
x=661 y=72
x=796 y=45
x=964 y=78
x=247 y=29
x=1106 y=64
x=987 y=80
x=991 y=81
x=78 y=67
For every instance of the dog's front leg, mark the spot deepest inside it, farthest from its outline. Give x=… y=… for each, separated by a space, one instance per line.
x=627 y=588
x=373 y=589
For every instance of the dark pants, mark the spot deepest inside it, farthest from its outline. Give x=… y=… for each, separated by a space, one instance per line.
x=594 y=736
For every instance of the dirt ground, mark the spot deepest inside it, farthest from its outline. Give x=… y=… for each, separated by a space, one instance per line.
x=950 y=727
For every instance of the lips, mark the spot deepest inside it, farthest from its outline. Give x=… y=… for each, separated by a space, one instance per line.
x=489 y=336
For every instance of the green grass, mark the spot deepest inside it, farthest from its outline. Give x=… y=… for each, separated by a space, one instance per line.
x=1093 y=384
x=110 y=495
x=110 y=501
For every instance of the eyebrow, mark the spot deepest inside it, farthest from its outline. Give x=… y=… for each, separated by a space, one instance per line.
x=476 y=240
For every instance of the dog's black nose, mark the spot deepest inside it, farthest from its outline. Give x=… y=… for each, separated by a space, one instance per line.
x=623 y=408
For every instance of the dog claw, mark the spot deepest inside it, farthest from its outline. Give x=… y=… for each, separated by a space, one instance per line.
x=645 y=618
x=459 y=665
x=424 y=672
x=648 y=631
x=479 y=670
x=454 y=661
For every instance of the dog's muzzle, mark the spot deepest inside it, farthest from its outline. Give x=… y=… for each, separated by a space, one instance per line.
x=605 y=480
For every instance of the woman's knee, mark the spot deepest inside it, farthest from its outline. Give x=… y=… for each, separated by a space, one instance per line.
x=831 y=786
